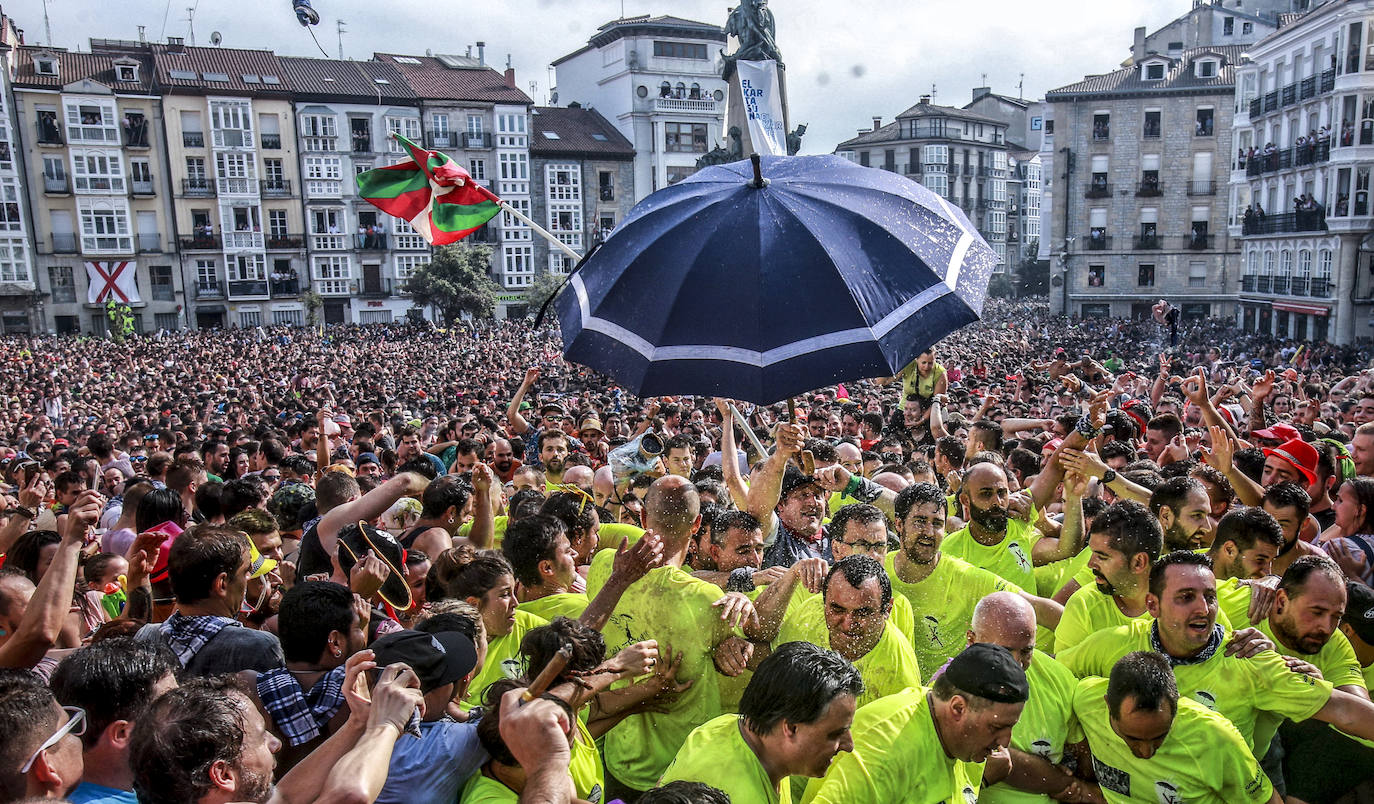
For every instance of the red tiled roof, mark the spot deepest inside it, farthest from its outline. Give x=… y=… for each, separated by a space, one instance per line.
x=232 y=62
x=576 y=129
x=431 y=80
x=72 y=67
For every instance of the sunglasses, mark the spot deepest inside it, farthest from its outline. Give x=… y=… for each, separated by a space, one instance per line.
x=75 y=725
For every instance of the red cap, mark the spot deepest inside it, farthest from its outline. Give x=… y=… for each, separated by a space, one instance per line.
x=1051 y=446
x=1279 y=432
x=1300 y=455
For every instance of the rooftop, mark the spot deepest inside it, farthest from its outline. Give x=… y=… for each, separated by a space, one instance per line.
x=665 y=25
x=576 y=132
x=1178 y=77
x=73 y=67
x=219 y=70
x=362 y=80
x=432 y=79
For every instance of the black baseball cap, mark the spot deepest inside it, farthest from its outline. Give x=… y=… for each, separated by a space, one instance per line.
x=793 y=479
x=1359 y=610
x=438 y=659
x=988 y=671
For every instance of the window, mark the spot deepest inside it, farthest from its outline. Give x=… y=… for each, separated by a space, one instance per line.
x=1228 y=26
x=45 y=65
x=1152 y=127
x=195 y=173
x=1324 y=263
x=141 y=174
x=1096 y=275
x=936 y=158
x=231 y=123
x=49 y=131
x=605 y=185
x=105 y=228
x=438 y=123
x=165 y=321
x=685 y=138
x=126 y=72
x=250 y=318
x=1247 y=28
x=1204 y=122
x=997 y=222
x=276 y=223
x=270 y=127
x=289 y=318
x=207 y=277
x=274 y=174
x=332 y=273
x=323 y=176
x=519 y=265
x=54 y=174
x=1206 y=68
x=319 y=125
x=237 y=173
x=564 y=182
x=477 y=168
x=680 y=50
x=92 y=122
x=1102 y=125
x=14 y=261
x=407 y=239
x=408 y=264
x=937 y=183
x=1197 y=274
x=474 y=125
x=1146 y=276
x=97 y=172
x=408 y=127
x=63 y=284
x=1154 y=71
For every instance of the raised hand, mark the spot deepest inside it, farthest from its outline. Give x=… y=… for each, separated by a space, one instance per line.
x=736 y=609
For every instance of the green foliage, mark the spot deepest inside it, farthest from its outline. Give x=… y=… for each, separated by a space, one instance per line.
x=1000 y=286
x=545 y=285
x=456 y=282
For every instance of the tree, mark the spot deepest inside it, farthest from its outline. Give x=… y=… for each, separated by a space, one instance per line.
x=456 y=282
x=545 y=285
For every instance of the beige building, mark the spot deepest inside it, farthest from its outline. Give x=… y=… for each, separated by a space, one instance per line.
x=91 y=129
x=231 y=146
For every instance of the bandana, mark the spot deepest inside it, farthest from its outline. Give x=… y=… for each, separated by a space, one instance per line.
x=187 y=635
x=300 y=715
x=1213 y=645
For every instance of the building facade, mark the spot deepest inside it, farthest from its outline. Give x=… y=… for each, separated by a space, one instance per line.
x=657 y=79
x=477 y=116
x=21 y=300
x=582 y=180
x=1305 y=104
x=958 y=155
x=1140 y=155
x=94 y=169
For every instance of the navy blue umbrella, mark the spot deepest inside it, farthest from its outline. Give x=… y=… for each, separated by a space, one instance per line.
x=828 y=272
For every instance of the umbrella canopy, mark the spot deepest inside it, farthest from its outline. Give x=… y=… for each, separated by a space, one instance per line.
x=829 y=272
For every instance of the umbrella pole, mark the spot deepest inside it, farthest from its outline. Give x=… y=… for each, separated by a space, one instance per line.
x=541 y=231
x=748 y=431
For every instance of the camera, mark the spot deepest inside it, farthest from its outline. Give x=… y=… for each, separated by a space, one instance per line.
x=637 y=456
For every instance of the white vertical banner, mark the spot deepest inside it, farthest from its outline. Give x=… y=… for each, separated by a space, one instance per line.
x=758 y=83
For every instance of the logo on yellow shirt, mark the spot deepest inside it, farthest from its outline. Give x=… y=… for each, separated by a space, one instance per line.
x=1167 y=793
x=1020 y=555
x=1206 y=698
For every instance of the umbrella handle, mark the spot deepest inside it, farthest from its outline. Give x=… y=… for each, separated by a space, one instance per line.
x=759 y=181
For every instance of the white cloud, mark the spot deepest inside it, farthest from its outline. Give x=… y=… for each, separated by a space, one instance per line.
x=847 y=61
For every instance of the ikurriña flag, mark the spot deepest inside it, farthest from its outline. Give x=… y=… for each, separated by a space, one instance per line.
x=441 y=201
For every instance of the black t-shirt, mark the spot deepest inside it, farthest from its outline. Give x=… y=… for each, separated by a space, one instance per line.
x=313 y=558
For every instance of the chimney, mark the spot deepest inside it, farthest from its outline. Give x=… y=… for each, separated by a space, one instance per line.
x=877 y=123
x=925 y=100
x=1138 y=48
x=510 y=78
x=469 y=51
x=482 y=53
x=979 y=92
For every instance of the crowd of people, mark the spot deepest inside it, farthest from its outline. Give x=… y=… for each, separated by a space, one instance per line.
x=1050 y=560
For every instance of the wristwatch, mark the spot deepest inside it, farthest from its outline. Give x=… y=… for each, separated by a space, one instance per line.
x=1108 y=476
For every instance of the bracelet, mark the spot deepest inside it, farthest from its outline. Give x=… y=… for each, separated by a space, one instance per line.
x=1086 y=429
x=855 y=483
x=27 y=513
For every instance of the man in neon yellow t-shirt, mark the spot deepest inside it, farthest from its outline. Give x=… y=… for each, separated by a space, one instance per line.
x=1039 y=737
x=852 y=617
x=793 y=719
x=1125 y=542
x=1149 y=745
x=923 y=746
x=545 y=564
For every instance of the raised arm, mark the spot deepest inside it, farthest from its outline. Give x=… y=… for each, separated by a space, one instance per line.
x=47 y=609
x=518 y=425
x=766 y=488
x=367 y=508
x=30 y=497
x=1069 y=543
x=729 y=459
x=937 y=416
x=1221 y=457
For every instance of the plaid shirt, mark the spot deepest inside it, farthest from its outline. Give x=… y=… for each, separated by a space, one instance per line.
x=301 y=716
x=187 y=635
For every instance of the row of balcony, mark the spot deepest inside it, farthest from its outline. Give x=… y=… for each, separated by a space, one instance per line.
x=1150 y=188
x=1298 y=91
x=196 y=139
x=67 y=243
x=1315 y=287
x=208 y=188
x=210 y=241
x=62 y=185
x=1307 y=220
x=50 y=133
x=370 y=287
x=1191 y=242
x=1296 y=156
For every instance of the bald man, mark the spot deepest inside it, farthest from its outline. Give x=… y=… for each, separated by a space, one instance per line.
x=580 y=476
x=1037 y=740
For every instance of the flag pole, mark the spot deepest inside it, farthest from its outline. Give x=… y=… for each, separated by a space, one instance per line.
x=541 y=231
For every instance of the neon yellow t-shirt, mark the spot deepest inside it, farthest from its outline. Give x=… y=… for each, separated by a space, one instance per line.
x=1046 y=724
x=1233 y=600
x=671 y=606
x=1088 y=611
x=715 y=753
x=498 y=526
x=610 y=534
x=887 y=669
x=483 y=790
x=1247 y=691
x=1051 y=577
x=561 y=604
x=897 y=757
x=944 y=602
x=588 y=775
x=503 y=657
x=1203 y=760
x=1009 y=559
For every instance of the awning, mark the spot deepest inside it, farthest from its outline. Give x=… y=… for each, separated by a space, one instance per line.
x=1302 y=308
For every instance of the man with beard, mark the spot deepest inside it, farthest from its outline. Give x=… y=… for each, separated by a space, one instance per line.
x=1289 y=504
x=553 y=454
x=927 y=745
x=1007 y=547
x=206 y=743
x=1184 y=512
x=1247 y=541
x=1255 y=692
x=793 y=719
x=408 y=447
x=852 y=616
x=503 y=460
x=942 y=589
x=1124 y=543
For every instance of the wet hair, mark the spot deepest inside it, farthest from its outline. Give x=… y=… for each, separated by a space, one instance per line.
x=1178 y=558
x=27 y=715
x=857 y=570
x=1145 y=677
x=158 y=506
x=1166 y=423
x=863 y=513
x=447 y=492
x=917 y=493
x=461 y=572
x=241 y=494
x=458 y=616
x=1174 y=493
x=1246 y=527
x=575 y=511
x=185 y=732
x=310 y=611
x=1250 y=462
x=1295 y=578
x=727 y=520
x=681 y=792
x=1287 y=494
x=207 y=500
x=1130 y=529
x=526 y=502
x=199 y=556
x=796 y=684
x=541 y=644
x=528 y=542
